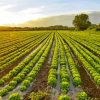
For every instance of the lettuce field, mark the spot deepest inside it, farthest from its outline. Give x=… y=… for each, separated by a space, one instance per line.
x=50 y=65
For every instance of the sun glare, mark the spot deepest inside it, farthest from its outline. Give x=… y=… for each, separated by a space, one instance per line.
x=7 y=17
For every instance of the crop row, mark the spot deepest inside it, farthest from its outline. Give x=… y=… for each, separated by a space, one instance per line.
x=24 y=72
x=24 y=63
x=86 y=43
x=34 y=72
x=16 y=46
x=90 y=65
x=16 y=56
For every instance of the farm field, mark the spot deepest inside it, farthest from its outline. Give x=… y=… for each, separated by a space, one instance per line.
x=50 y=65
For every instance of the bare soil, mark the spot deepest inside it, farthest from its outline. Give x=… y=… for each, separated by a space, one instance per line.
x=7 y=70
x=88 y=84
x=14 y=64
x=96 y=54
x=40 y=84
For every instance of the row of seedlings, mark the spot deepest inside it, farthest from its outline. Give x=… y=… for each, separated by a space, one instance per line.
x=21 y=74
x=18 y=68
x=90 y=65
x=86 y=65
x=34 y=72
x=74 y=72
x=52 y=77
x=15 y=57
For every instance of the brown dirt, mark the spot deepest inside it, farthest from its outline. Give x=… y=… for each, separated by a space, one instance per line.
x=40 y=84
x=96 y=54
x=14 y=64
x=16 y=48
x=41 y=81
x=7 y=70
x=88 y=84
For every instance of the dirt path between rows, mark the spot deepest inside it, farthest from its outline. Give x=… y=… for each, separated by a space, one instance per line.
x=88 y=84
x=14 y=64
x=96 y=54
x=40 y=84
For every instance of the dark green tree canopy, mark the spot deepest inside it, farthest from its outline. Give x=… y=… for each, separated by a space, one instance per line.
x=81 y=22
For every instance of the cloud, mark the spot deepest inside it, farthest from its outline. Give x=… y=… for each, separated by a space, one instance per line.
x=7 y=16
x=17 y=11
x=70 y=7
x=5 y=7
x=32 y=10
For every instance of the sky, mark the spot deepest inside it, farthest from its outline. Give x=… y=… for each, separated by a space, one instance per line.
x=18 y=11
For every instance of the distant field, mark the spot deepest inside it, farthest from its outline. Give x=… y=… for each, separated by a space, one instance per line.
x=57 y=63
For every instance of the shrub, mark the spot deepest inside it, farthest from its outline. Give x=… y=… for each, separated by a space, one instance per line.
x=13 y=73
x=76 y=75
x=95 y=74
x=52 y=81
x=18 y=79
x=64 y=75
x=62 y=62
x=3 y=92
x=14 y=96
x=1 y=68
x=38 y=95
x=9 y=88
x=82 y=96
x=1 y=81
x=53 y=71
x=33 y=74
x=5 y=78
x=77 y=81
x=98 y=82
x=64 y=97
x=26 y=83
x=30 y=79
x=13 y=83
x=22 y=75
x=64 y=79
x=96 y=78
x=23 y=88
x=26 y=70
x=64 y=86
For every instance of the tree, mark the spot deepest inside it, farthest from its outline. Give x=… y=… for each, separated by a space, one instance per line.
x=81 y=22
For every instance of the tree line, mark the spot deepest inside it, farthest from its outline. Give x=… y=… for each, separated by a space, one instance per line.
x=80 y=22
x=55 y=27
